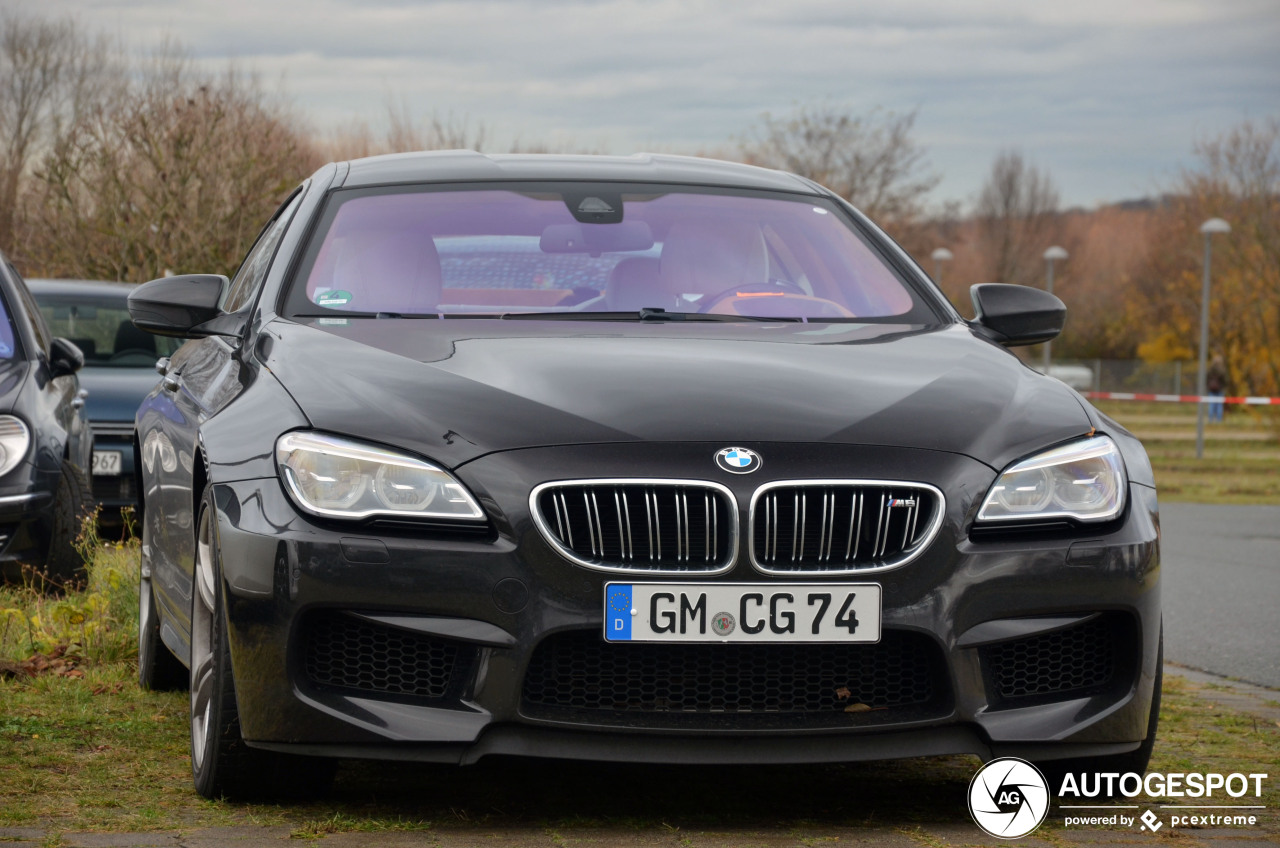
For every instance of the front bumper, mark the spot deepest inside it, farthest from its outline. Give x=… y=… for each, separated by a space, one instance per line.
x=114 y=492
x=26 y=519
x=494 y=600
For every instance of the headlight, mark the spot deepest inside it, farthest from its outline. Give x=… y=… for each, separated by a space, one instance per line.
x=337 y=478
x=1083 y=480
x=15 y=438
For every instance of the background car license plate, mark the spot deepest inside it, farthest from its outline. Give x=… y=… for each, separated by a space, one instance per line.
x=742 y=612
x=106 y=462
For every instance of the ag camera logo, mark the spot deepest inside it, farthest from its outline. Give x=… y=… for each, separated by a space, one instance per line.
x=1008 y=798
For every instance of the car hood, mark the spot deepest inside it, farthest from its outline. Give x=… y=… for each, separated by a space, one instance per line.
x=454 y=390
x=116 y=393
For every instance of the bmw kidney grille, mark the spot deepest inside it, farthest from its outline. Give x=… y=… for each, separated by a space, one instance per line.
x=640 y=525
x=828 y=526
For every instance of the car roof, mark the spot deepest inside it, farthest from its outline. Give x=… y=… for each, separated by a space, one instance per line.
x=443 y=166
x=77 y=288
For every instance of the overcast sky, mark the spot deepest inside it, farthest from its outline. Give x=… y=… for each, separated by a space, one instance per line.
x=1108 y=95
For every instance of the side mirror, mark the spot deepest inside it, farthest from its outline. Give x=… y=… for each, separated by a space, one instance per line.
x=1017 y=315
x=64 y=358
x=179 y=306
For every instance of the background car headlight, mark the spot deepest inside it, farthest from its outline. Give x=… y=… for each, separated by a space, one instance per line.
x=1083 y=480
x=337 y=478
x=15 y=439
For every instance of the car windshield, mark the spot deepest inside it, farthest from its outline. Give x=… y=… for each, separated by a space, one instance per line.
x=100 y=326
x=583 y=250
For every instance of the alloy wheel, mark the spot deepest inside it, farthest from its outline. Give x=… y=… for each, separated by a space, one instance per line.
x=203 y=660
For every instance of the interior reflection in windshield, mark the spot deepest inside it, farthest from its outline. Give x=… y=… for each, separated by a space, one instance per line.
x=689 y=251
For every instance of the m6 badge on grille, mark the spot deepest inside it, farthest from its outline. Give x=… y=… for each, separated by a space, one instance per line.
x=742 y=612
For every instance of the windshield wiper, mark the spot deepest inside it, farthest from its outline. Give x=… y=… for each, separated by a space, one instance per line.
x=380 y=315
x=648 y=313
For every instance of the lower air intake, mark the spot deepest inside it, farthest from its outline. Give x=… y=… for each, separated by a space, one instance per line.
x=342 y=651
x=578 y=670
x=1074 y=661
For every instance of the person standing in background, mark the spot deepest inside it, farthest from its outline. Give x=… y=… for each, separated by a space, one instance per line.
x=1216 y=384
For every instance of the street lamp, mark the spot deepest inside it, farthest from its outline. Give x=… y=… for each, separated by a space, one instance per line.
x=1209 y=227
x=939 y=256
x=1053 y=254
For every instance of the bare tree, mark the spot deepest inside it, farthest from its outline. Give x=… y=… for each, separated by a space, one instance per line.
x=870 y=160
x=405 y=133
x=447 y=132
x=177 y=174
x=1017 y=218
x=50 y=72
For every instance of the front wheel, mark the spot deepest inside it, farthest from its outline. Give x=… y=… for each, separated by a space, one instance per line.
x=222 y=765
x=72 y=503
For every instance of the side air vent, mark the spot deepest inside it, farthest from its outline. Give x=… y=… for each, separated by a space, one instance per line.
x=1064 y=664
x=653 y=526
x=841 y=526
x=342 y=651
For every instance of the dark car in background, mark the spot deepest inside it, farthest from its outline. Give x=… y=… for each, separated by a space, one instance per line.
x=119 y=370
x=631 y=459
x=45 y=441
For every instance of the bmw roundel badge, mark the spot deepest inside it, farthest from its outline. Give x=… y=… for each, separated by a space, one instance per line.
x=738 y=460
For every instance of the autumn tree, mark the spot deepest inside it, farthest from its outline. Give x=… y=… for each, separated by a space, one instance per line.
x=1017 y=218
x=870 y=160
x=1237 y=177
x=1108 y=248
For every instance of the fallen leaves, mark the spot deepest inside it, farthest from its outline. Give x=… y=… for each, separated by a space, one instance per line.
x=56 y=662
x=843 y=694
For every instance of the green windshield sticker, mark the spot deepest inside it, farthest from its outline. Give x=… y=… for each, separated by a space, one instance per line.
x=333 y=297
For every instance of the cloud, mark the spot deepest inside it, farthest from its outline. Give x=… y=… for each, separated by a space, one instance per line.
x=1107 y=95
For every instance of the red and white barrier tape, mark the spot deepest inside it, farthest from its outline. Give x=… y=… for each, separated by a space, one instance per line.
x=1251 y=401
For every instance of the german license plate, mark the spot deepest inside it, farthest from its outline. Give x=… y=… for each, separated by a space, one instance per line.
x=106 y=463
x=742 y=612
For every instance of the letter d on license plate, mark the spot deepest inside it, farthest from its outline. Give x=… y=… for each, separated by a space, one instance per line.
x=742 y=612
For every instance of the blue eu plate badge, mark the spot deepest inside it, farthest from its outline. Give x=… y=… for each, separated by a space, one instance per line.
x=617 y=625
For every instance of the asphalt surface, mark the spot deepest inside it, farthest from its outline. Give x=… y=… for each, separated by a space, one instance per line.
x=1221 y=589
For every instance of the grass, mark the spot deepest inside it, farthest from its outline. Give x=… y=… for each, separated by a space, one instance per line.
x=90 y=751
x=93 y=623
x=1241 y=463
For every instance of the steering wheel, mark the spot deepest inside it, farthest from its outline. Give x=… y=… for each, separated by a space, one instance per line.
x=773 y=287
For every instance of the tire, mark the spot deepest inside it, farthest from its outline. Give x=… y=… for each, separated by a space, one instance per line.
x=222 y=765
x=1135 y=761
x=72 y=503
x=158 y=669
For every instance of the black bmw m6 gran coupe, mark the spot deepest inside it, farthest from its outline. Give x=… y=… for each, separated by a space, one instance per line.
x=645 y=459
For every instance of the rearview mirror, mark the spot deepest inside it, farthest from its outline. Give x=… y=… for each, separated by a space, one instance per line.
x=64 y=358
x=1017 y=315
x=179 y=306
x=596 y=238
